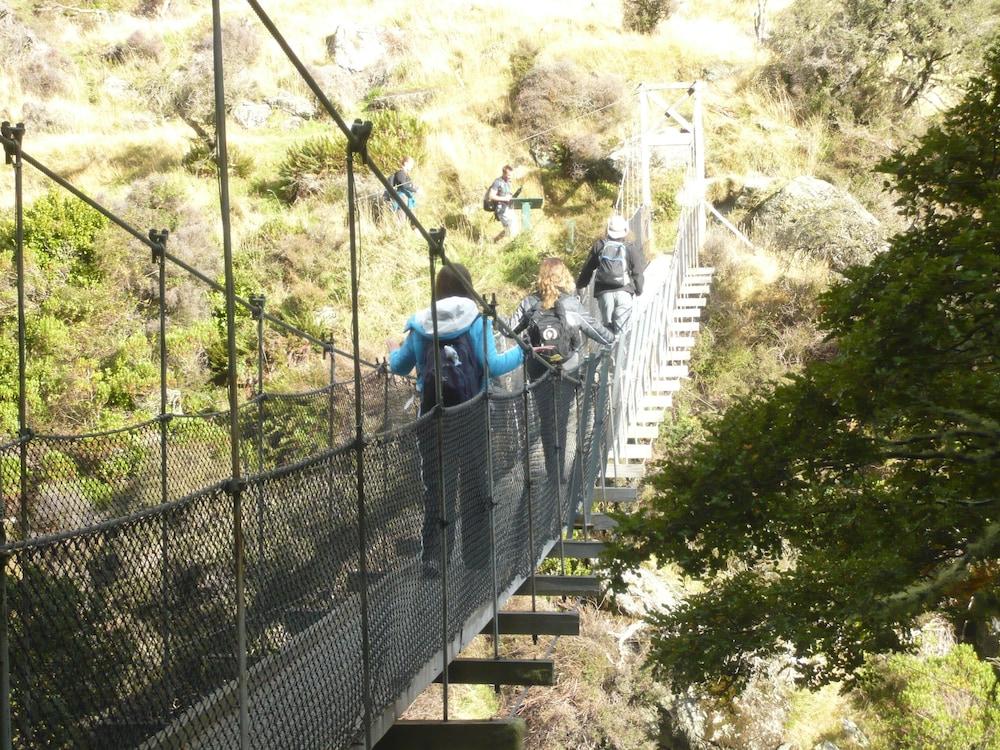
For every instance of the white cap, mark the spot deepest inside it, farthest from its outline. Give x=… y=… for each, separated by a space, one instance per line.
x=617 y=227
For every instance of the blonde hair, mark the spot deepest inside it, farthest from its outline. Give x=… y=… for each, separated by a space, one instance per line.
x=554 y=279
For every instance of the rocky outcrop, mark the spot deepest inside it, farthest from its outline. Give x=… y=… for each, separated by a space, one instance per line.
x=355 y=47
x=811 y=217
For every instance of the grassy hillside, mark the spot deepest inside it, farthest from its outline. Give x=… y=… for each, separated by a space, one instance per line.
x=108 y=90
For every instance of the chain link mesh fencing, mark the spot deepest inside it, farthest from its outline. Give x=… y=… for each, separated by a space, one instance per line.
x=122 y=607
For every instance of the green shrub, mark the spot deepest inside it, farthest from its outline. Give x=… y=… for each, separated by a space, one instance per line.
x=57 y=465
x=863 y=58
x=200 y=161
x=307 y=166
x=644 y=15
x=97 y=493
x=945 y=702
x=396 y=135
x=60 y=229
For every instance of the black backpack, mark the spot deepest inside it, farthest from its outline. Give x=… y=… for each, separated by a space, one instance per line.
x=612 y=264
x=487 y=203
x=461 y=373
x=548 y=329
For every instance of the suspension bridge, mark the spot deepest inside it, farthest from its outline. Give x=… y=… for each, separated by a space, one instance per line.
x=252 y=578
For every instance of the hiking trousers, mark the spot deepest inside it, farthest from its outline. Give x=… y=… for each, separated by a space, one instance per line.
x=616 y=309
x=466 y=488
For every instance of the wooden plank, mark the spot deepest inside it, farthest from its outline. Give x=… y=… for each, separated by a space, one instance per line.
x=686 y=313
x=648 y=416
x=680 y=342
x=691 y=302
x=561 y=586
x=579 y=549
x=616 y=494
x=684 y=326
x=635 y=451
x=695 y=289
x=625 y=471
x=664 y=388
x=535 y=623
x=501 y=672
x=455 y=734
x=598 y=522
x=679 y=355
x=673 y=371
x=643 y=432
x=701 y=270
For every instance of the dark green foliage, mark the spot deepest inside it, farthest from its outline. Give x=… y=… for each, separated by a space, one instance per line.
x=828 y=512
x=200 y=161
x=73 y=373
x=309 y=167
x=869 y=57
x=946 y=702
x=644 y=15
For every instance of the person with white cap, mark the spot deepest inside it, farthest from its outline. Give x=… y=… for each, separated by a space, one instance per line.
x=617 y=269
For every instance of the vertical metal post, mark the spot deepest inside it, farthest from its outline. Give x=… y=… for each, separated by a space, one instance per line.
x=257 y=313
x=491 y=311
x=436 y=246
x=331 y=421
x=699 y=167
x=6 y=732
x=556 y=381
x=647 y=193
x=358 y=144
x=236 y=483
x=532 y=561
x=159 y=257
x=582 y=492
x=13 y=156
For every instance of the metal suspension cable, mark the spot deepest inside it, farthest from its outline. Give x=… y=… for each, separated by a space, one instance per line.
x=191 y=270
x=235 y=485
x=435 y=240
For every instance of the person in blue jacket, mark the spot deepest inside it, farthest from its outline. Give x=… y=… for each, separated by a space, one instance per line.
x=464 y=358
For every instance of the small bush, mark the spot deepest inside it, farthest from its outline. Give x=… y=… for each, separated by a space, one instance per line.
x=643 y=16
x=139 y=46
x=945 y=702
x=307 y=167
x=548 y=98
x=200 y=161
x=396 y=135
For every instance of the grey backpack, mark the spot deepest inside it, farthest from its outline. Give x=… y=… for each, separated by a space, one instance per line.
x=612 y=265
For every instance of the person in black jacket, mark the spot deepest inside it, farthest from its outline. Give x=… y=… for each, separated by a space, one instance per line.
x=617 y=269
x=557 y=324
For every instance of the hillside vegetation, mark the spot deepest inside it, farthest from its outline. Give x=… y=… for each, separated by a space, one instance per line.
x=117 y=97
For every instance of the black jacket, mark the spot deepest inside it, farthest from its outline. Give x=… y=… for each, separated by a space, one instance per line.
x=577 y=321
x=636 y=265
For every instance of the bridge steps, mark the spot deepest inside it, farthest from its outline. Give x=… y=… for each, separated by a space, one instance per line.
x=643 y=432
x=455 y=734
x=615 y=494
x=628 y=459
x=535 y=623
x=553 y=585
x=578 y=549
x=600 y=522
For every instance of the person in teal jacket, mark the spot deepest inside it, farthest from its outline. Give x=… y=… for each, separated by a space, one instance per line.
x=457 y=315
x=464 y=469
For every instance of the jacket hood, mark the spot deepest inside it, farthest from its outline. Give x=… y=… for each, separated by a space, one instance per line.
x=455 y=316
